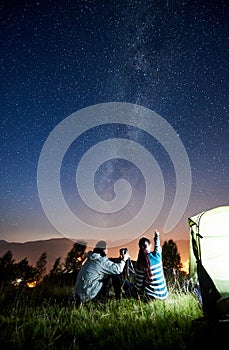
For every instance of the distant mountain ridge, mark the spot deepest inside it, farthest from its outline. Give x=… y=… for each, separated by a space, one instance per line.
x=59 y=247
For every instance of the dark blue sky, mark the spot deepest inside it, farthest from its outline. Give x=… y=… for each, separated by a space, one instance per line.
x=58 y=57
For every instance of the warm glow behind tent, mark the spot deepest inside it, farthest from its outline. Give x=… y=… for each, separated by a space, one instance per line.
x=212 y=246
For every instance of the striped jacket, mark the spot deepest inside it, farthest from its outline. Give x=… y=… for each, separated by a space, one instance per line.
x=155 y=288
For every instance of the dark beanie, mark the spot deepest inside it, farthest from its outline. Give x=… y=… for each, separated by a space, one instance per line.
x=101 y=245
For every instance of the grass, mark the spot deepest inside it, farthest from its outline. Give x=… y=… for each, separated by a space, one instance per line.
x=41 y=319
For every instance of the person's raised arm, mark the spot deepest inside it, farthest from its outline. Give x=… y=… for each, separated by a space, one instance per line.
x=157 y=246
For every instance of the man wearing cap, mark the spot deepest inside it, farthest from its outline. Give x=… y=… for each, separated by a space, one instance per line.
x=94 y=275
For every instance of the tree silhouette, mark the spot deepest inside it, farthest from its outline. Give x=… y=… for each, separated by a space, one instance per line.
x=55 y=275
x=8 y=271
x=57 y=267
x=63 y=274
x=170 y=257
x=11 y=271
x=75 y=257
x=25 y=271
x=41 y=266
x=74 y=261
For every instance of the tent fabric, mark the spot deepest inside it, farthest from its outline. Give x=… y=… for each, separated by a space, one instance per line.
x=209 y=254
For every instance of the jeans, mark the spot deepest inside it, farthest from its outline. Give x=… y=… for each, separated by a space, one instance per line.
x=108 y=282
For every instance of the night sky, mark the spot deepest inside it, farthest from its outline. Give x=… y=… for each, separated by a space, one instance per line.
x=59 y=57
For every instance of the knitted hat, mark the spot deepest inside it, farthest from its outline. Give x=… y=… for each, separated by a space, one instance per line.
x=101 y=245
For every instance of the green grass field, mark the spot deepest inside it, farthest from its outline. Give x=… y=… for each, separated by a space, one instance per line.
x=41 y=319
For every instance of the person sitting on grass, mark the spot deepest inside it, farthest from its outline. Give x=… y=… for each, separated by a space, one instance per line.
x=149 y=274
x=123 y=287
x=93 y=279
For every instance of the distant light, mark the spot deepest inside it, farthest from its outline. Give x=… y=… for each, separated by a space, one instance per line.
x=31 y=284
x=185 y=266
x=17 y=282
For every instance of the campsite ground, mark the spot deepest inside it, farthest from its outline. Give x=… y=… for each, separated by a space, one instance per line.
x=40 y=319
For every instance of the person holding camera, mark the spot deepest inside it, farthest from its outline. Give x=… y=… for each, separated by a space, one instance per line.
x=122 y=284
x=93 y=279
x=149 y=274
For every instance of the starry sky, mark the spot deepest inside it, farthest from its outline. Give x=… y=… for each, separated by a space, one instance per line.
x=58 y=57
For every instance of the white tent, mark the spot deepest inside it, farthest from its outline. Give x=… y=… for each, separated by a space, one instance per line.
x=209 y=252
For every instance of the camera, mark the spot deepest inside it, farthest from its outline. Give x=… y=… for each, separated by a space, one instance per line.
x=123 y=251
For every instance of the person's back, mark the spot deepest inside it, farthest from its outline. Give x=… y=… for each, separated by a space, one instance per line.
x=93 y=273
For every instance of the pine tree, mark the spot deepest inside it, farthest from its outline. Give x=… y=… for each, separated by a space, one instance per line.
x=57 y=267
x=41 y=266
x=74 y=261
x=170 y=257
x=75 y=257
x=25 y=271
x=8 y=271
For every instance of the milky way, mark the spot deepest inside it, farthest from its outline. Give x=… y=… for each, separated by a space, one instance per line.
x=57 y=58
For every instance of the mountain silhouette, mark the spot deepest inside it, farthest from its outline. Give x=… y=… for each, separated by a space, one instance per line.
x=59 y=247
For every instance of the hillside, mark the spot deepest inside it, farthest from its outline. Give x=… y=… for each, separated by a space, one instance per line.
x=59 y=247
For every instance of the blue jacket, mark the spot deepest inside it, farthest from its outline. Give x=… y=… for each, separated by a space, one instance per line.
x=89 y=279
